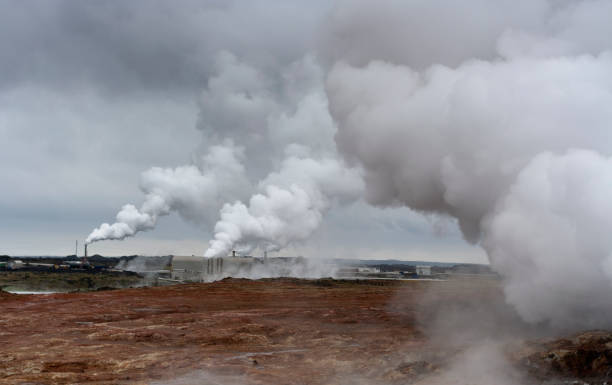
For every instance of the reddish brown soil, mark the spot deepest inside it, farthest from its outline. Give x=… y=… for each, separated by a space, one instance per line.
x=229 y=332
x=273 y=332
x=265 y=330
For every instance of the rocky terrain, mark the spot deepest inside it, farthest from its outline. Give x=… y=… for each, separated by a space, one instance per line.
x=587 y=356
x=269 y=332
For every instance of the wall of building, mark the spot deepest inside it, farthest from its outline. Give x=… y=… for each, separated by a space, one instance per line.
x=423 y=270
x=200 y=269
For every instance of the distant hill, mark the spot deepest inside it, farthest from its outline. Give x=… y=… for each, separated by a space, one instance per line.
x=388 y=265
x=372 y=262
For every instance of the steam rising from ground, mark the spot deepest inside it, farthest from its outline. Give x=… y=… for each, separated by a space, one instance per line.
x=472 y=333
x=550 y=236
x=482 y=364
x=508 y=132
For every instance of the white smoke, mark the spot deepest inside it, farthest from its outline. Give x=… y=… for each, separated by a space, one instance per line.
x=194 y=191
x=272 y=138
x=130 y=220
x=453 y=140
x=484 y=133
x=550 y=237
x=307 y=178
x=290 y=209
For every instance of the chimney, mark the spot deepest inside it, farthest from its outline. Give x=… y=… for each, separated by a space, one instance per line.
x=85 y=255
x=233 y=253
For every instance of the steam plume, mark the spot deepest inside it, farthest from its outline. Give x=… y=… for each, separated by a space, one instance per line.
x=286 y=138
x=193 y=191
x=510 y=134
x=290 y=209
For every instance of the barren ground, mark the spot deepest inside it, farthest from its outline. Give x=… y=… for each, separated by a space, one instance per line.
x=233 y=331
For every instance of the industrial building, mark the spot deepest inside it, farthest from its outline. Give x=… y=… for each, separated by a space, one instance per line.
x=200 y=269
x=16 y=264
x=422 y=270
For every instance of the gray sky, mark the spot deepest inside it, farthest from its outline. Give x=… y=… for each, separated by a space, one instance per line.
x=93 y=93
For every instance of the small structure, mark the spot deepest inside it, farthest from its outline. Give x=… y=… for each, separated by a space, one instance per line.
x=423 y=270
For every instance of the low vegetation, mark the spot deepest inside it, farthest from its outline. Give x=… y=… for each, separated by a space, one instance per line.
x=66 y=281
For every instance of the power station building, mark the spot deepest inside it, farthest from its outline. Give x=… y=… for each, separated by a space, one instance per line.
x=200 y=269
x=423 y=270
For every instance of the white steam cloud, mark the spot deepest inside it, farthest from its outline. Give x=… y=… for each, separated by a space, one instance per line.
x=273 y=149
x=290 y=209
x=550 y=237
x=194 y=191
x=509 y=133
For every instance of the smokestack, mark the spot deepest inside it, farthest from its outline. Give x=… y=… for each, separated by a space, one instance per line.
x=233 y=253
x=85 y=255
